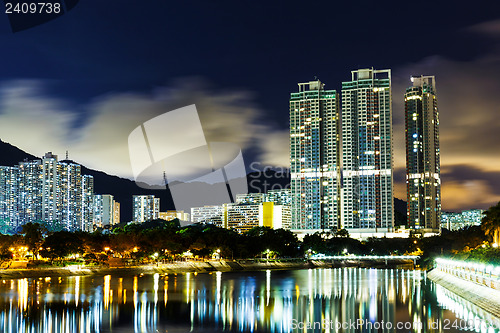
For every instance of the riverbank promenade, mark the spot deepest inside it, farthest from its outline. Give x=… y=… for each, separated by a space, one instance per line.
x=205 y=266
x=477 y=283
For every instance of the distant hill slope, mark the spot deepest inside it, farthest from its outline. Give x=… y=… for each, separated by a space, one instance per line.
x=123 y=189
x=11 y=155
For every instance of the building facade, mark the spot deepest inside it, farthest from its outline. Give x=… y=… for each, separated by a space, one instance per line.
x=46 y=191
x=209 y=214
x=145 y=208
x=243 y=217
x=9 y=214
x=466 y=218
x=116 y=212
x=279 y=197
x=251 y=210
x=250 y=198
x=314 y=156
x=105 y=210
x=87 y=221
x=423 y=176
x=170 y=215
x=367 y=191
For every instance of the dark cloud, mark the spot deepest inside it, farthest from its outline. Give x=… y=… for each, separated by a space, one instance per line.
x=466 y=173
x=467 y=187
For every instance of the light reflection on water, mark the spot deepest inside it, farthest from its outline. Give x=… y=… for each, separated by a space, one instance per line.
x=270 y=301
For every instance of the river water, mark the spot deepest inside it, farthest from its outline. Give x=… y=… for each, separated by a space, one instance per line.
x=314 y=300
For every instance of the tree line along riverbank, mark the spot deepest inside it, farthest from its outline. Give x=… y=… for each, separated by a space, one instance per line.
x=201 y=267
x=158 y=240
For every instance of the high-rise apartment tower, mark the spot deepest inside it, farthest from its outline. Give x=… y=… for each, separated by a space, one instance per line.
x=367 y=191
x=314 y=156
x=423 y=180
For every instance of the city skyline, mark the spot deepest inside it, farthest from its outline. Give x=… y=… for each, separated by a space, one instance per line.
x=77 y=83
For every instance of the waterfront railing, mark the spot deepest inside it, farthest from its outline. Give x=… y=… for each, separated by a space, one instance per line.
x=487 y=275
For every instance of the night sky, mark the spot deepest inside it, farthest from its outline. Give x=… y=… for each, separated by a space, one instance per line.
x=84 y=81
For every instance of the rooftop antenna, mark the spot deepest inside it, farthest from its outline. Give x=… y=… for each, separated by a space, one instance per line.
x=165 y=180
x=67 y=155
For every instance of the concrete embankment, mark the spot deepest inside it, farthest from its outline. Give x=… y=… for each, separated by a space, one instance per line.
x=196 y=266
x=482 y=296
x=175 y=267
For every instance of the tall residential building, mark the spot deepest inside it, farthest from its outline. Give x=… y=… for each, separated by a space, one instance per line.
x=46 y=191
x=29 y=192
x=87 y=198
x=8 y=196
x=314 y=156
x=423 y=180
x=71 y=195
x=367 y=192
x=51 y=191
x=145 y=208
x=116 y=212
x=104 y=210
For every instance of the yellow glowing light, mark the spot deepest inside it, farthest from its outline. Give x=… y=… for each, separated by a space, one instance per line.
x=106 y=248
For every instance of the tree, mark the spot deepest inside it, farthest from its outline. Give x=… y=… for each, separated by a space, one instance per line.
x=33 y=236
x=315 y=243
x=264 y=239
x=490 y=223
x=61 y=244
x=342 y=233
